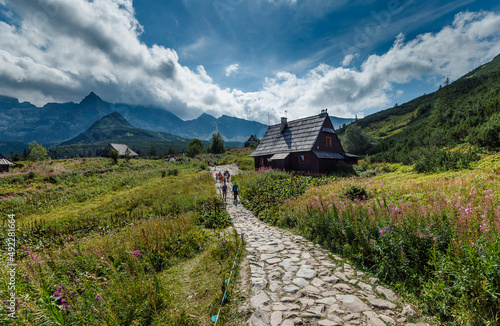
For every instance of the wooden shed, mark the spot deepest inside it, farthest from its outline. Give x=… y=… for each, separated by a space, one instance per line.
x=305 y=145
x=120 y=148
x=5 y=164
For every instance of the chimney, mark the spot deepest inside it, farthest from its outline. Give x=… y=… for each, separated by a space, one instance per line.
x=283 y=124
x=323 y=113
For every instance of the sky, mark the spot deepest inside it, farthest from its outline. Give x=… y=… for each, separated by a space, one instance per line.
x=252 y=59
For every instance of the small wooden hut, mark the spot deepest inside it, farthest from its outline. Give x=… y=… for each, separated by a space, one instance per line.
x=5 y=164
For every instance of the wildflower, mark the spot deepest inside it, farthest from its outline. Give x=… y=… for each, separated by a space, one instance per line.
x=310 y=229
x=136 y=253
x=484 y=228
x=381 y=231
x=223 y=241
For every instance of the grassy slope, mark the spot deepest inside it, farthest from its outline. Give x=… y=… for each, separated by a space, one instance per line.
x=447 y=117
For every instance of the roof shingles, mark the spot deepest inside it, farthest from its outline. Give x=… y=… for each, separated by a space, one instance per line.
x=298 y=136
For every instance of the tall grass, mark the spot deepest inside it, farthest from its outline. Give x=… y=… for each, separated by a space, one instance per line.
x=436 y=236
x=124 y=254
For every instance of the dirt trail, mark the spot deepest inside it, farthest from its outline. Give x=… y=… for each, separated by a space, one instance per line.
x=294 y=282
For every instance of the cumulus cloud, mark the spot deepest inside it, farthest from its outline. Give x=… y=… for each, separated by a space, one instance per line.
x=231 y=69
x=60 y=50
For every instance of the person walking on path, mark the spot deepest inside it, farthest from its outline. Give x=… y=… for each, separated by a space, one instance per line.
x=224 y=192
x=235 y=191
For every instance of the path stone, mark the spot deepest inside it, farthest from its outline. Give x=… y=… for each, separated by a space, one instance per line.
x=294 y=282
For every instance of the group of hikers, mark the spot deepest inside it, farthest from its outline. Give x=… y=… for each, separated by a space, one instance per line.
x=223 y=178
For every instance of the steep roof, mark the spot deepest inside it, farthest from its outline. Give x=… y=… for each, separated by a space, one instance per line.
x=120 y=148
x=298 y=136
x=5 y=161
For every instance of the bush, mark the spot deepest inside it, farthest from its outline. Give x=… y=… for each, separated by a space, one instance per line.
x=356 y=192
x=30 y=176
x=173 y=172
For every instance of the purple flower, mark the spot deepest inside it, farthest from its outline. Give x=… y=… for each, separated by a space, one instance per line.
x=223 y=241
x=136 y=253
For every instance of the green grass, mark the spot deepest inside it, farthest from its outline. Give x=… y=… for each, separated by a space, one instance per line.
x=118 y=244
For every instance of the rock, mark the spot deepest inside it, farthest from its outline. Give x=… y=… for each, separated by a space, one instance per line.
x=342 y=276
x=372 y=319
x=344 y=288
x=331 y=279
x=288 y=314
x=326 y=322
x=261 y=301
x=352 y=317
x=279 y=307
x=258 y=283
x=388 y=293
x=299 y=281
x=317 y=282
x=288 y=322
x=291 y=288
x=381 y=304
x=311 y=290
x=327 y=301
x=259 y=318
x=287 y=299
x=276 y=318
x=388 y=320
x=365 y=287
x=352 y=303
x=306 y=273
x=409 y=312
x=373 y=280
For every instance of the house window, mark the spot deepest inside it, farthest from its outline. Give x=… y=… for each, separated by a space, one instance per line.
x=298 y=159
x=261 y=161
x=329 y=143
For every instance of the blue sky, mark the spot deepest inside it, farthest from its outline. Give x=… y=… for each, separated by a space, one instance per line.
x=250 y=59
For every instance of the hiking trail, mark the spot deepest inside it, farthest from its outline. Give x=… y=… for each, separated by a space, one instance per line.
x=294 y=282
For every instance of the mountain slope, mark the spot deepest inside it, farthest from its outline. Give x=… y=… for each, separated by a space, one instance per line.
x=114 y=128
x=464 y=113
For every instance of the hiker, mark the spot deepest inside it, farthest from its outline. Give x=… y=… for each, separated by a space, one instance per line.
x=228 y=175
x=224 y=191
x=235 y=191
x=221 y=178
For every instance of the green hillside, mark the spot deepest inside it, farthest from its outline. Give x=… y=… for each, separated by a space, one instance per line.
x=438 y=131
x=114 y=128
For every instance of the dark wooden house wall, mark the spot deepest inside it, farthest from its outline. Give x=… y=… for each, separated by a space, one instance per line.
x=4 y=168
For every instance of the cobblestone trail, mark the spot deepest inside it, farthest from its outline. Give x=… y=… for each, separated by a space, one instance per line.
x=294 y=282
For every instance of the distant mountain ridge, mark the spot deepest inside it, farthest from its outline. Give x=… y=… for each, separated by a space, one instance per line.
x=58 y=122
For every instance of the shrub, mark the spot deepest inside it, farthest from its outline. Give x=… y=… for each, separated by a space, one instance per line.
x=356 y=192
x=30 y=176
x=173 y=172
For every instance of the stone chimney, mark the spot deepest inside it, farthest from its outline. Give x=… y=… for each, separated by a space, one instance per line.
x=283 y=124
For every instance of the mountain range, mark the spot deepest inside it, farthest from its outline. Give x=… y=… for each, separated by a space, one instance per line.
x=58 y=122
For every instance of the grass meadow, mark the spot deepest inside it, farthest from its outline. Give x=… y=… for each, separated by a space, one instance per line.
x=141 y=242
x=434 y=237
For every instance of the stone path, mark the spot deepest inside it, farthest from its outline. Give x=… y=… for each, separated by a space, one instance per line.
x=294 y=282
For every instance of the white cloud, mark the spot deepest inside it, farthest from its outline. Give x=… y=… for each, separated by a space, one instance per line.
x=63 y=49
x=348 y=59
x=231 y=69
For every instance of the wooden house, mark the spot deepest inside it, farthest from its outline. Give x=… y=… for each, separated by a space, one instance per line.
x=5 y=164
x=251 y=140
x=120 y=148
x=307 y=145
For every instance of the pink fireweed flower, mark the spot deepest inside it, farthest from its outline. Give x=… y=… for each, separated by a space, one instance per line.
x=136 y=253
x=484 y=228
